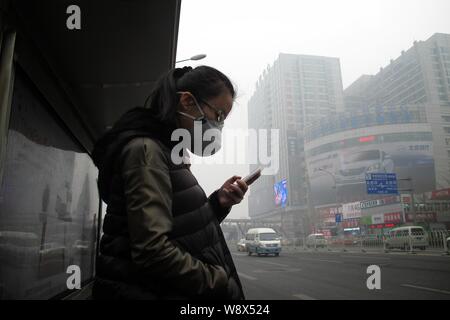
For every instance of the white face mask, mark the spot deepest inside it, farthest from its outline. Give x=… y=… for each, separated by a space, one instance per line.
x=206 y=134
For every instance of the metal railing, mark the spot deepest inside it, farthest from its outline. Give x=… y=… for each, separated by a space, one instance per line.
x=436 y=241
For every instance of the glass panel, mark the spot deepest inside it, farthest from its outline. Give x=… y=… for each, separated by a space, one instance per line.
x=417 y=231
x=267 y=236
x=48 y=202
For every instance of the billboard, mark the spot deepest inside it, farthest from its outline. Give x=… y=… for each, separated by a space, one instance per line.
x=337 y=171
x=327 y=216
x=280 y=190
x=351 y=210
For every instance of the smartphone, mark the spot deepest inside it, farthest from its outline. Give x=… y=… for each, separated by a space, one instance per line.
x=252 y=177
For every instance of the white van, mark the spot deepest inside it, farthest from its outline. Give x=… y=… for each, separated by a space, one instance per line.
x=316 y=240
x=403 y=237
x=262 y=241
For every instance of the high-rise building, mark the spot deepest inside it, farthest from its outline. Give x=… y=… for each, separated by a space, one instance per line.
x=294 y=91
x=421 y=75
x=355 y=96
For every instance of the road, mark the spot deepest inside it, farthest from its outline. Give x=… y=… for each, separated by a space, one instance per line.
x=323 y=275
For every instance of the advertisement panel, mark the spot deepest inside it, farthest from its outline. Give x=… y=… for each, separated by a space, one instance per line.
x=351 y=223
x=327 y=216
x=395 y=217
x=378 y=218
x=422 y=217
x=443 y=194
x=337 y=170
x=379 y=202
x=351 y=210
x=387 y=210
x=280 y=190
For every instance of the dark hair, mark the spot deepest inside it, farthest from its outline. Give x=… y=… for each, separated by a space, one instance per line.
x=203 y=82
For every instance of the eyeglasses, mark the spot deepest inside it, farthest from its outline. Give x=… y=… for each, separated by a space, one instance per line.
x=220 y=114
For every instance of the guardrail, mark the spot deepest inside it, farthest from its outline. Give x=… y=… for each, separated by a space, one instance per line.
x=434 y=241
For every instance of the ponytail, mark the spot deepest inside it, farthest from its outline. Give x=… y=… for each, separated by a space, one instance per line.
x=203 y=82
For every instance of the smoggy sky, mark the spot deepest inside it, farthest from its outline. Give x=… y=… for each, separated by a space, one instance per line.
x=243 y=37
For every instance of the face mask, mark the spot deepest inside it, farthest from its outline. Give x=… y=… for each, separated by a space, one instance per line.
x=206 y=134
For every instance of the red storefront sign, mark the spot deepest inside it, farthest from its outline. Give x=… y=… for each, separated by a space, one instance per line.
x=440 y=194
x=351 y=223
x=422 y=217
x=367 y=139
x=325 y=232
x=395 y=217
x=405 y=198
x=381 y=226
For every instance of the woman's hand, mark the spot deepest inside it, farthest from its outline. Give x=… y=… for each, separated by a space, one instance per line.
x=232 y=193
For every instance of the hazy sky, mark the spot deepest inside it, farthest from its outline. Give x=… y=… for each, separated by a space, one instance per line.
x=243 y=37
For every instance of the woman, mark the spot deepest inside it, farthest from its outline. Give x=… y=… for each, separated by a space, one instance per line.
x=161 y=234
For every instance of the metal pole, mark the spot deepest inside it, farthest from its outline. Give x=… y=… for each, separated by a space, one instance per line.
x=411 y=250
x=403 y=210
x=446 y=249
x=361 y=240
x=413 y=206
x=336 y=200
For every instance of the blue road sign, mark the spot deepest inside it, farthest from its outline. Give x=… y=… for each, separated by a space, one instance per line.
x=381 y=183
x=338 y=217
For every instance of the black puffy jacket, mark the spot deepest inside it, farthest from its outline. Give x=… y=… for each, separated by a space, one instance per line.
x=162 y=237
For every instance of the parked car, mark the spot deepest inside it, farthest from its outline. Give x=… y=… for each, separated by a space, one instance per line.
x=372 y=240
x=351 y=241
x=287 y=242
x=405 y=237
x=316 y=240
x=241 y=245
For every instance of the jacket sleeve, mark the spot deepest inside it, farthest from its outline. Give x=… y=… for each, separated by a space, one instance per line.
x=148 y=195
x=221 y=212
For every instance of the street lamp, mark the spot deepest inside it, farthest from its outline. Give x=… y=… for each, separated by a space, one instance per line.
x=412 y=204
x=335 y=194
x=334 y=180
x=196 y=57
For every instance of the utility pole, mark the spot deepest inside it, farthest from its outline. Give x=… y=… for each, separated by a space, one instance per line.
x=413 y=207
x=412 y=204
x=339 y=230
x=311 y=209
